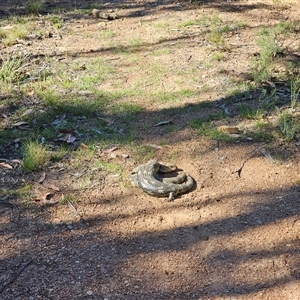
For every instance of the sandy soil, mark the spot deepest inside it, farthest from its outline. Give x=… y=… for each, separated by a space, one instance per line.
x=234 y=236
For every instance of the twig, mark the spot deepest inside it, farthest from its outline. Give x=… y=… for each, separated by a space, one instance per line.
x=74 y=209
x=4 y=202
x=20 y=270
x=26 y=290
x=34 y=76
x=267 y=155
x=239 y=171
x=7 y=203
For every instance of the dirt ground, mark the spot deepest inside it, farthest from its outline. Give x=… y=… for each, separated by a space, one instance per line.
x=234 y=236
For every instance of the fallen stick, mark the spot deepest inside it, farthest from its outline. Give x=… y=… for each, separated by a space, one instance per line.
x=35 y=76
x=20 y=270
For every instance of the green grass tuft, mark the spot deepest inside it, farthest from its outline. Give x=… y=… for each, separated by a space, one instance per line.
x=33 y=7
x=289 y=126
x=35 y=156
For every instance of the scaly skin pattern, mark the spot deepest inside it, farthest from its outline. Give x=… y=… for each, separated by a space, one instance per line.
x=147 y=179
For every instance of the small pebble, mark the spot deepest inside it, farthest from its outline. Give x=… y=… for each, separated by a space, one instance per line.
x=113 y=155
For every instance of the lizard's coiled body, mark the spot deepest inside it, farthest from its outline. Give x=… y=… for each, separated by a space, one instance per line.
x=146 y=177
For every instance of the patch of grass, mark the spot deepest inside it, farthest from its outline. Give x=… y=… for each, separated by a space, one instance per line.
x=249 y=113
x=223 y=71
x=161 y=51
x=67 y=83
x=84 y=182
x=295 y=91
x=216 y=37
x=241 y=89
x=136 y=42
x=165 y=96
x=35 y=156
x=107 y=33
x=112 y=167
x=142 y=153
x=10 y=35
x=218 y=56
x=209 y=130
x=11 y=70
x=159 y=24
x=76 y=108
x=33 y=7
x=67 y=199
x=24 y=193
x=269 y=41
x=286 y=27
x=241 y=25
x=263 y=132
x=232 y=93
x=99 y=70
x=205 y=88
x=204 y=21
x=186 y=93
x=49 y=96
x=58 y=154
x=174 y=155
x=202 y=104
x=49 y=133
x=289 y=126
x=128 y=108
x=210 y=20
x=121 y=49
x=89 y=81
x=56 y=21
x=190 y=23
x=83 y=156
x=196 y=124
x=226 y=28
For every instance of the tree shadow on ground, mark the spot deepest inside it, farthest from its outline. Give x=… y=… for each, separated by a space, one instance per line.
x=235 y=270
x=17 y=7
x=124 y=261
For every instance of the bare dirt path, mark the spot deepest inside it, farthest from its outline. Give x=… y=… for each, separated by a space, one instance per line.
x=234 y=236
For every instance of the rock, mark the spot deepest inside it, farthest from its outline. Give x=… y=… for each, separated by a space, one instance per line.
x=104 y=15
x=96 y=13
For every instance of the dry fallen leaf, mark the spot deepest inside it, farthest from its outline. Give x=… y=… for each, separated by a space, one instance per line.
x=5 y=165
x=52 y=187
x=154 y=146
x=84 y=146
x=27 y=112
x=56 y=122
x=44 y=196
x=21 y=123
x=229 y=129
x=163 y=123
x=110 y=149
x=267 y=155
x=113 y=155
x=15 y=161
x=107 y=120
x=68 y=138
x=42 y=178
